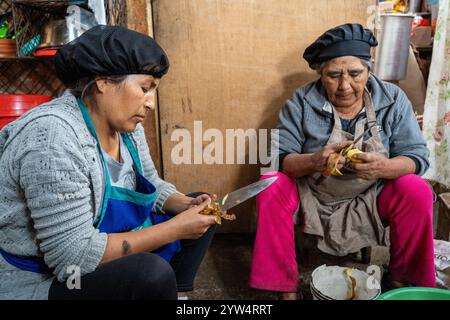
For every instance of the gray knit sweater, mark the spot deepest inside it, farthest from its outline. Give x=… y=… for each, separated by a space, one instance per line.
x=51 y=191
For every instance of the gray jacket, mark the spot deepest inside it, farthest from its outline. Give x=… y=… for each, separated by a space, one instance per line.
x=306 y=122
x=51 y=191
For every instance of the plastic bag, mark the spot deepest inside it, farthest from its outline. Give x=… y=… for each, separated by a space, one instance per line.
x=442 y=263
x=79 y=20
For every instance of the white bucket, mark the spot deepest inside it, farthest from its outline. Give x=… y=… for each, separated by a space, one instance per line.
x=339 y=283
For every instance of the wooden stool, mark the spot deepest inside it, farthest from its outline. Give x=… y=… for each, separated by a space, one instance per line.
x=306 y=243
x=366 y=254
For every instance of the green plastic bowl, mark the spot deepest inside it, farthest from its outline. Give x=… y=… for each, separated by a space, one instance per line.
x=416 y=293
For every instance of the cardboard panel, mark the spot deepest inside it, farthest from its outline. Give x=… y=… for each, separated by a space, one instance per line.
x=233 y=65
x=414 y=85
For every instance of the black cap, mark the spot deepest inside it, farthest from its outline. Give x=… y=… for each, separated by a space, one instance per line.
x=110 y=50
x=349 y=39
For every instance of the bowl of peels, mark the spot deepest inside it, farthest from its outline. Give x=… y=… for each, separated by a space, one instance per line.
x=340 y=283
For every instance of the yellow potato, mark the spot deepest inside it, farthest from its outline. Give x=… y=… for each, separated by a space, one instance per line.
x=351 y=153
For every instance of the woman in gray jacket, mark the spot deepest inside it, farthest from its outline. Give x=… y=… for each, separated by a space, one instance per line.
x=350 y=206
x=83 y=213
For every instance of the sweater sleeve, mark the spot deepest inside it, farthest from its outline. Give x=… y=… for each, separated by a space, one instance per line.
x=55 y=181
x=164 y=189
x=291 y=134
x=407 y=139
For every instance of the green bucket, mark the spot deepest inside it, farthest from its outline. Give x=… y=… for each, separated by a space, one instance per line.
x=416 y=293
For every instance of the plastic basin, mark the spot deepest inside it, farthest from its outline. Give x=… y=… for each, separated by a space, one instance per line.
x=416 y=293
x=12 y=106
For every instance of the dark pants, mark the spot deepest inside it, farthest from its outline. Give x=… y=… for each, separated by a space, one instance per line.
x=141 y=275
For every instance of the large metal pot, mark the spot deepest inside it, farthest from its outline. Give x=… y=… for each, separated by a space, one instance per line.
x=391 y=57
x=56 y=33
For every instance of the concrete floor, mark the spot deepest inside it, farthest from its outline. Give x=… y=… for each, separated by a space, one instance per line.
x=224 y=272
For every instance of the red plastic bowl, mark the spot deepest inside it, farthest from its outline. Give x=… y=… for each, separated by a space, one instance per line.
x=12 y=106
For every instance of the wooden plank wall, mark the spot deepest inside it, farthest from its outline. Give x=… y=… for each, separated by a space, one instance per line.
x=233 y=65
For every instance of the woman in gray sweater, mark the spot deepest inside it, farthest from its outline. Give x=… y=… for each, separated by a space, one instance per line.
x=83 y=213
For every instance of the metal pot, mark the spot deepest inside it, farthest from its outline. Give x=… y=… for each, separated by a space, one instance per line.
x=414 y=6
x=56 y=33
x=391 y=58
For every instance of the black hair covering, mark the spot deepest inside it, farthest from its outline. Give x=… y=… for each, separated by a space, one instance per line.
x=107 y=51
x=349 y=39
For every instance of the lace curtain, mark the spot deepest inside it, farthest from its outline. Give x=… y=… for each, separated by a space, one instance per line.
x=436 y=118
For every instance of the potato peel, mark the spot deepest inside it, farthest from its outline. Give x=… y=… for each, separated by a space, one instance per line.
x=348 y=271
x=332 y=165
x=214 y=209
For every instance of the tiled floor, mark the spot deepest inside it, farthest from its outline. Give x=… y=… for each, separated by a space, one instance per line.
x=225 y=269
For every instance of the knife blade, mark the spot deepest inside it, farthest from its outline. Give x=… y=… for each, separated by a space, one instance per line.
x=350 y=147
x=358 y=138
x=238 y=196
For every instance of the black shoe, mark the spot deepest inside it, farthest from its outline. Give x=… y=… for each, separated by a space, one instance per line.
x=387 y=283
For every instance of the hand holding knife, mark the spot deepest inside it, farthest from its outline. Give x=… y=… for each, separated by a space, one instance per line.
x=218 y=208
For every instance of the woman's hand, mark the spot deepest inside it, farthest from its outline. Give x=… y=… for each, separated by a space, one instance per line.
x=178 y=202
x=199 y=200
x=320 y=158
x=375 y=165
x=190 y=224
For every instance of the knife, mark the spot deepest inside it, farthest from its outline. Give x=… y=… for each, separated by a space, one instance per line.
x=358 y=138
x=350 y=147
x=238 y=196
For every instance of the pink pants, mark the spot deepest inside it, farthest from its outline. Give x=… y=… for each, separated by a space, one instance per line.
x=405 y=204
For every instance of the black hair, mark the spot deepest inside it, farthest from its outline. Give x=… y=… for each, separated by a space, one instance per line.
x=84 y=87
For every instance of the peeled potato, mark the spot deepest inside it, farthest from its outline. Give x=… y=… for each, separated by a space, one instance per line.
x=351 y=153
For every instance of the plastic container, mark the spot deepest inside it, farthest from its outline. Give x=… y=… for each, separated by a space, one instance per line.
x=391 y=55
x=45 y=52
x=7 y=48
x=12 y=106
x=416 y=293
x=333 y=283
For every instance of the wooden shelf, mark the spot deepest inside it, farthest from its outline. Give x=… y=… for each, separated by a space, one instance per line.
x=15 y=58
x=37 y=75
x=27 y=58
x=427 y=48
x=49 y=3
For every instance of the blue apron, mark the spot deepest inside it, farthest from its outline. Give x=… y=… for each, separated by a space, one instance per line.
x=123 y=210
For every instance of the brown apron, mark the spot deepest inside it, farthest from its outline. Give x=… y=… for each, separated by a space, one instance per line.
x=342 y=211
